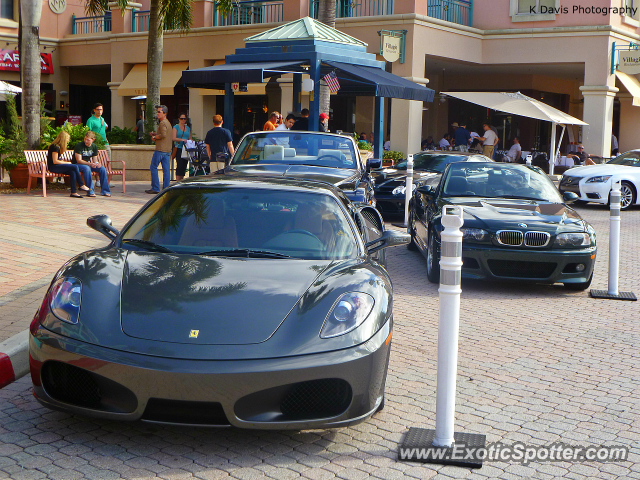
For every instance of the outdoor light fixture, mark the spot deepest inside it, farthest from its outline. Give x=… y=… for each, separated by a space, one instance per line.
x=307 y=85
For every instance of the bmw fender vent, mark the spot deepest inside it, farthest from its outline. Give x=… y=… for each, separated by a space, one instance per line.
x=77 y=386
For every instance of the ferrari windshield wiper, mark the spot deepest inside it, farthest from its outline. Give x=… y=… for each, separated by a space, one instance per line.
x=244 y=252
x=147 y=245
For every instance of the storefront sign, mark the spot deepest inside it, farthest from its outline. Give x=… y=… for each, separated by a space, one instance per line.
x=629 y=61
x=10 y=61
x=391 y=48
x=58 y=6
x=235 y=86
x=75 y=119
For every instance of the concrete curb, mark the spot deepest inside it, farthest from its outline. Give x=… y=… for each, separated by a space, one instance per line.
x=14 y=358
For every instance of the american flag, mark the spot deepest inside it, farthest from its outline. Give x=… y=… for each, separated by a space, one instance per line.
x=332 y=81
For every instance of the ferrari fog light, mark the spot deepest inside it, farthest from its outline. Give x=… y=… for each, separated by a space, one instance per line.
x=580 y=267
x=573 y=240
x=66 y=296
x=347 y=314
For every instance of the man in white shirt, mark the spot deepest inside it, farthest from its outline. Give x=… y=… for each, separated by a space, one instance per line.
x=286 y=125
x=514 y=153
x=488 y=141
x=444 y=142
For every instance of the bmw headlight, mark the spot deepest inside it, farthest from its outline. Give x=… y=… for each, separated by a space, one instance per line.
x=573 y=240
x=401 y=190
x=347 y=314
x=474 y=234
x=599 y=179
x=66 y=296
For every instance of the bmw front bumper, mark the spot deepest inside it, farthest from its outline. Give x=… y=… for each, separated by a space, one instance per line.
x=331 y=389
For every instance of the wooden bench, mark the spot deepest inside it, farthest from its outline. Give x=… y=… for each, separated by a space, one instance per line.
x=37 y=164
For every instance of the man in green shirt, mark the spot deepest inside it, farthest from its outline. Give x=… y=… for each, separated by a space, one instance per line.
x=85 y=155
x=97 y=124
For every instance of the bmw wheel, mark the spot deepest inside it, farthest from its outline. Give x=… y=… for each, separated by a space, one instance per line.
x=433 y=265
x=627 y=195
x=412 y=231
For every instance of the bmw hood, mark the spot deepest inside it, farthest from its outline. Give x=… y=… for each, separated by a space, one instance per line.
x=223 y=301
x=334 y=176
x=604 y=169
x=497 y=214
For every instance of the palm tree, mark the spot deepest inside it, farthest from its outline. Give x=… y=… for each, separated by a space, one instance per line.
x=163 y=15
x=29 y=47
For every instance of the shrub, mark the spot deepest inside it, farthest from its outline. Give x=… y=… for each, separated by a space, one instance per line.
x=124 y=135
x=16 y=140
x=393 y=155
x=76 y=132
x=362 y=145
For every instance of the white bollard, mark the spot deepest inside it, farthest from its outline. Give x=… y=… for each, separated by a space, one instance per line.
x=408 y=189
x=614 y=238
x=448 y=323
x=529 y=159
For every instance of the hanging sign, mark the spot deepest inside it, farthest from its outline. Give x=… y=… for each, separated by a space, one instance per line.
x=10 y=61
x=629 y=61
x=235 y=86
x=391 y=48
x=58 y=6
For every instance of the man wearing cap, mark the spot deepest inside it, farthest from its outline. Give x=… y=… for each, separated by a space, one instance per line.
x=461 y=136
x=323 y=125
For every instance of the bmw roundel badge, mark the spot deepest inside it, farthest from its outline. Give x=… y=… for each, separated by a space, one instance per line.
x=522 y=225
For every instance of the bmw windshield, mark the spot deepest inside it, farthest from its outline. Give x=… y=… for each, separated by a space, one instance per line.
x=296 y=148
x=431 y=162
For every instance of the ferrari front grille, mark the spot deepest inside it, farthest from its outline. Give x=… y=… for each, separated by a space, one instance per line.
x=509 y=237
x=536 y=239
x=317 y=399
x=70 y=384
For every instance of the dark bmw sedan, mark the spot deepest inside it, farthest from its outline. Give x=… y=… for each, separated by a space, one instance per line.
x=254 y=302
x=517 y=226
x=325 y=157
x=390 y=183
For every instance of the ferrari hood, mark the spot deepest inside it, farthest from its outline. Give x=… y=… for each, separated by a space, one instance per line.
x=334 y=176
x=391 y=178
x=604 y=169
x=496 y=214
x=210 y=300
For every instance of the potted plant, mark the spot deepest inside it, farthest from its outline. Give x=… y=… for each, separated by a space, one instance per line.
x=366 y=150
x=13 y=145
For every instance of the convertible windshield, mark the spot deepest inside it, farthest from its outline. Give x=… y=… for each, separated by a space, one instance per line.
x=296 y=148
x=491 y=180
x=243 y=222
x=431 y=162
x=631 y=159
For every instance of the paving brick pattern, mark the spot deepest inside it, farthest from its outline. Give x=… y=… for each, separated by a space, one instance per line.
x=537 y=364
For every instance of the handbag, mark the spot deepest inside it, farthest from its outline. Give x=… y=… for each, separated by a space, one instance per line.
x=174 y=152
x=184 y=151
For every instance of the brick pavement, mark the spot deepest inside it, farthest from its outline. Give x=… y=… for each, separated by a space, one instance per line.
x=537 y=364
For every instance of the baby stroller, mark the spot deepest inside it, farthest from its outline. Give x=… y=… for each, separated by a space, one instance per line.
x=198 y=159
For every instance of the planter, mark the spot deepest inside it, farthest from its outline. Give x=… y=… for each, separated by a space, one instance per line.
x=366 y=154
x=20 y=176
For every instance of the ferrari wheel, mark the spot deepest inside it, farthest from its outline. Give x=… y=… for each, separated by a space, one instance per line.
x=433 y=265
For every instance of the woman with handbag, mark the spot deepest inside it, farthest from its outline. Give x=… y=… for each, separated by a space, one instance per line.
x=181 y=133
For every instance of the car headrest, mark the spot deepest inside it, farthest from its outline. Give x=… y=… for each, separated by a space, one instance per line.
x=309 y=218
x=273 y=152
x=289 y=152
x=457 y=186
x=339 y=156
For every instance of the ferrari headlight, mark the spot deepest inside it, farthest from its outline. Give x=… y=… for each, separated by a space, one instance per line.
x=347 y=314
x=474 y=234
x=573 y=240
x=66 y=296
x=599 y=179
x=401 y=190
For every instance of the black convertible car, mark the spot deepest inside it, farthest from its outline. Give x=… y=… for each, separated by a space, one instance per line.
x=390 y=183
x=325 y=157
x=252 y=302
x=516 y=225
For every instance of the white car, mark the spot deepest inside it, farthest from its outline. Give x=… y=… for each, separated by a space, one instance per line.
x=593 y=182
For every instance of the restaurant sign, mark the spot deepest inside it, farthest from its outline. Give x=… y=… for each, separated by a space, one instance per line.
x=392 y=45
x=629 y=61
x=10 y=61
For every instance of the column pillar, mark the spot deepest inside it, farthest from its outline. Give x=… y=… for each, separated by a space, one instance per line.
x=286 y=97
x=314 y=105
x=121 y=23
x=378 y=122
x=203 y=13
x=294 y=9
x=598 y=113
x=629 y=123
x=117 y=105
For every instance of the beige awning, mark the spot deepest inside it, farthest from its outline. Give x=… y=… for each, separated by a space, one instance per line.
x=632 y=85
x=135 y=82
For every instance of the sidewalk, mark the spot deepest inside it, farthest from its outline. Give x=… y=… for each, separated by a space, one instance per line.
x=37 y=235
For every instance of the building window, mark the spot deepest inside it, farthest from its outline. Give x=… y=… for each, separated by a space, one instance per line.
x=535 y=10
x=633 y=18
x=6 y=9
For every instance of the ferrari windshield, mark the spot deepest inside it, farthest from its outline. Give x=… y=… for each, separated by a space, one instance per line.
x=495 y=180
x=431 y=162
x=631 y=159
x=296 y=148
x=243 y=222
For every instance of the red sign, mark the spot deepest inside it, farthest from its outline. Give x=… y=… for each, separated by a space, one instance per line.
x=75 y=119
x=10 y=61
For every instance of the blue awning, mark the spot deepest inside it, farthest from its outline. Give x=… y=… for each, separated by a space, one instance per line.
x=218 y=75
x=361 y=80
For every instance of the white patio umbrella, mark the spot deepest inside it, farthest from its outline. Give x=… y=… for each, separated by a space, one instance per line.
x=519 y=104
x=8 y=89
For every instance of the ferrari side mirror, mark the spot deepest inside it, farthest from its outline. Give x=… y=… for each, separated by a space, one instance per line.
x=389 y=238
x=102 y=224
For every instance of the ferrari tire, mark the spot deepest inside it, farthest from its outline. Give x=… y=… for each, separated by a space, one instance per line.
x=380 y=407
x=579 y=287
x=433 y=265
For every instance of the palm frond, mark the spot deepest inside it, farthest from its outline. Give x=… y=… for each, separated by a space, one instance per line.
x=94 y=8
x=176 y=15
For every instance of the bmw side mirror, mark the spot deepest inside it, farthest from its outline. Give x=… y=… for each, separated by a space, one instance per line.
x=373 y=164
x=570 y=197
x=102 y=224
x=389 y=238
x=426 y=189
